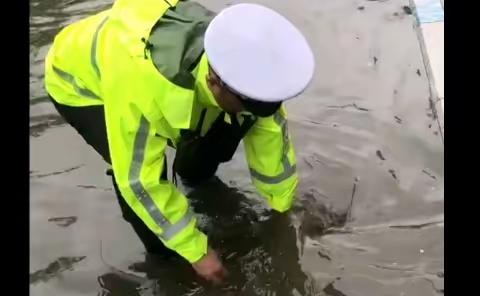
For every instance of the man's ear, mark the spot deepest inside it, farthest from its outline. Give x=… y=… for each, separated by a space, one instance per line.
x=212 y=75
x=212 y=83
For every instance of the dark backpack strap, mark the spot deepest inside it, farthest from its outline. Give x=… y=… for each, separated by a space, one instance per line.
x=248 y=122
x=198 y=129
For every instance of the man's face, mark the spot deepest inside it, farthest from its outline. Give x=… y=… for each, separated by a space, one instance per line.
x=228 y=101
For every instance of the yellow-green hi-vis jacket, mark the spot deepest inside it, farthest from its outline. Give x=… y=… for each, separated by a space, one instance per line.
x=149 y=94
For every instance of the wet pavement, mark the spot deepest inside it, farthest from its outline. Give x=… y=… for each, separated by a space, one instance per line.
x=368 y=219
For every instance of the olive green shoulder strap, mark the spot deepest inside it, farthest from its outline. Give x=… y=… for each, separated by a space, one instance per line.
x=176 y=41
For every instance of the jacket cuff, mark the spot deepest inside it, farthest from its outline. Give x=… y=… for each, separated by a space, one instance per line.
x=279 y=198
x=190 y=243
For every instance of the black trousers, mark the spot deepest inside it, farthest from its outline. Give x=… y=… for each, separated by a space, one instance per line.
x=89 y=122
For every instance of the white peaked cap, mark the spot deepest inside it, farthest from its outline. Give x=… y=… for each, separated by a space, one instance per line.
x=258 y=53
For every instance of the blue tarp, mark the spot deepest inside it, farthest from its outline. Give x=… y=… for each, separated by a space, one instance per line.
x=429 y=11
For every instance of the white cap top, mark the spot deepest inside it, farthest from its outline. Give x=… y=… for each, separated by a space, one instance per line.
x=259 y=53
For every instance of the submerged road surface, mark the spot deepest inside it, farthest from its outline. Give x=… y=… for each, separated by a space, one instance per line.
x=368 y=219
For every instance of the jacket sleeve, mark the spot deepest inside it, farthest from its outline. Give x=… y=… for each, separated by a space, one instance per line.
x=271 y=160
x=137 y=153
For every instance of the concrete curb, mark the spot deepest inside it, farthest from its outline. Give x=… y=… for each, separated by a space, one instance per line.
x=430 y=22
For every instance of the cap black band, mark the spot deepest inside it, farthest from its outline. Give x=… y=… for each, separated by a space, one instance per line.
x=259 y=108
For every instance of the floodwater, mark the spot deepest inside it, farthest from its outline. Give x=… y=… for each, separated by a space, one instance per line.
x=368 y=219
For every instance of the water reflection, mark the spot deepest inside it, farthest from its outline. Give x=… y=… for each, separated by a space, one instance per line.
x=336 y=138
x=258 y=247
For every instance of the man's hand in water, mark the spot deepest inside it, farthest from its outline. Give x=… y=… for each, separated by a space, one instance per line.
x=210 y=267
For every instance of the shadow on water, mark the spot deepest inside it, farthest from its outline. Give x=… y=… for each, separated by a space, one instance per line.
x=366 y=118
x=317 y=217
x=258 y=247
x=48 y=17
x=33 y=174
x=63 y=221
x=39 y=124
x=54 y=269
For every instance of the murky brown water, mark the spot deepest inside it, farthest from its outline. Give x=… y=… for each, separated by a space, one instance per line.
x=369 y=215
